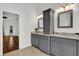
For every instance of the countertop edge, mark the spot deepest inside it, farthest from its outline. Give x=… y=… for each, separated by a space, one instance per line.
x=58 y=35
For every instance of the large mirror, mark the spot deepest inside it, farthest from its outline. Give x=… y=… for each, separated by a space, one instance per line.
x=40 y=23
x=65 y=19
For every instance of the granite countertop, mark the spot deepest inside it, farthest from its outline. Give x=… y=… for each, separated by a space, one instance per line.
x=41 y=34
x=63 y=35
x=71 y=36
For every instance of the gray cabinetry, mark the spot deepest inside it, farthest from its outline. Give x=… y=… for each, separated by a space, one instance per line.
x=58 y=46
x=77 y=47
x=55 y=46
x=68 y=50
x=63 y=46
x=44 y=44
x=34 y=40
x=48 y=21
x=68 y=47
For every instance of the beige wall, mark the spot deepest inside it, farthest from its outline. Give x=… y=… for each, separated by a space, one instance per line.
x=75 y=28
x=27 y=22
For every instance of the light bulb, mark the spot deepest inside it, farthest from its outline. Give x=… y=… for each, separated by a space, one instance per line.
x=67 y=7
x=57 y=10
x=40 y=16
x=72 y=6
x=61 y=9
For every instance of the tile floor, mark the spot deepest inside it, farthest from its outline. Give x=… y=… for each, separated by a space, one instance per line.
x=29 y=51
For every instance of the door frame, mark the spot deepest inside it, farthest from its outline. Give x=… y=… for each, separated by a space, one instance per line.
x=3 y=29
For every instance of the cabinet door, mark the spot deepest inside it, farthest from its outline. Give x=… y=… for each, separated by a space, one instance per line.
x=46 y=21
x=48 y=18
x=55 y=48
x=77 y=47
x=44 y=44
x=36 y=41
x=33 y=40
x=68 y=50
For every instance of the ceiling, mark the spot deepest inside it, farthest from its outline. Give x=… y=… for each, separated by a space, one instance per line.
x=43 y=6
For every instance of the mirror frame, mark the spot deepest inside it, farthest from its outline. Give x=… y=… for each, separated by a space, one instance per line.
x=39 y=23
x=71 y=19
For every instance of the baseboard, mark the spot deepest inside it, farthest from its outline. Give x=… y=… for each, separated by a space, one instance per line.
x=1 y=53
x=25 y=46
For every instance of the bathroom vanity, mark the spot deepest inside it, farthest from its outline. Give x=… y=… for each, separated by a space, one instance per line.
x=56 y=44
x=42 y=42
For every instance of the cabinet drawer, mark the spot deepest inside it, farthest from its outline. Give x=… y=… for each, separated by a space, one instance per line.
x=33 y=35
x=68 y=41
x=44 y=37
x=55 y=39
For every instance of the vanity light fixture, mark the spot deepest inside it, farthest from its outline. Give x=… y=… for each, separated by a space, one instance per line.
x=61 y=9
x=72 y=6
x=66 y=7
x=40 y=16
x=69 y=6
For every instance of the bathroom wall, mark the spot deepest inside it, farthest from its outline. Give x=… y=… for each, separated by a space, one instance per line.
x=40 y=7
x=27 y=22
x=75 y=22
x=75 y=28
x=11 y=20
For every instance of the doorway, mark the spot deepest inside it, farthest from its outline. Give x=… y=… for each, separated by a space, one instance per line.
x=10 y=32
